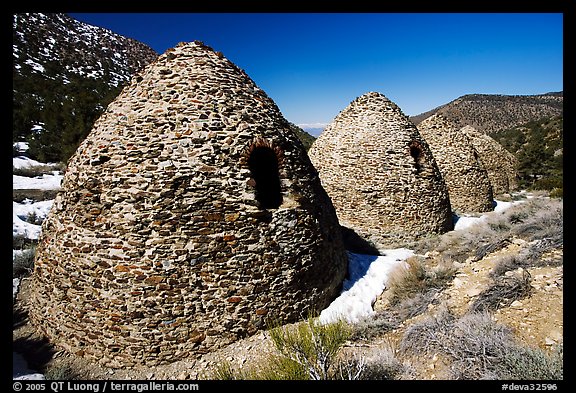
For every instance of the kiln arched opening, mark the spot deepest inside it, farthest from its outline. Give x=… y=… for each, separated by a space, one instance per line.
x=263 y=164
x=417 y=154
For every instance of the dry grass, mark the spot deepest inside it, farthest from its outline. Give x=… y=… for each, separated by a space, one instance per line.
x=415 y=278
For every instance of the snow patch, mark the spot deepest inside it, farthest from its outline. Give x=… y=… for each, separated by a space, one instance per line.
x=367 y=278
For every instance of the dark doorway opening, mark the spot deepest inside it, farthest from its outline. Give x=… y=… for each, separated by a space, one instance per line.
x=263 y=165
x=417 y=154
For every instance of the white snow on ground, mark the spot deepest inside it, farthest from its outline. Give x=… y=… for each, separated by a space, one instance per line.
x=20 y=226
x=26 y=207
x=25 y=162
x=44 y=182
x=15 y=285
x=464 y=222
x=23 y=228
x=367 y=276
x=20 y=213
x=21 y=146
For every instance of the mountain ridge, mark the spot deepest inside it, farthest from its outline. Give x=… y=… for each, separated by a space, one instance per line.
x=492 y=113
x=80 y=48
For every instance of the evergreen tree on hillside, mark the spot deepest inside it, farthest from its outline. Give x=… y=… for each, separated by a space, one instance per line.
x=538 y=147
x=68 y=109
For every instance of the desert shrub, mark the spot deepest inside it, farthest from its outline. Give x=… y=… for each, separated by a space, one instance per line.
x=457 y=245
x=426 y=243
x=504 y=290
x=306 y=351
x=521 y=362
x=23 y=263
x=534 y=219
x=312 y=345
x=411 y=288
x=557 y=192
x=475 y=241
x=537 y=219
x=273 y=367
x=279 y=368
x=508 y=263
x=479 y=348
x=375 y=326
x=416 y=305
x=62 y=372
x=379 y=363
x=533 y=253
x=490 y=247
x=517 y=215
x=223 y=371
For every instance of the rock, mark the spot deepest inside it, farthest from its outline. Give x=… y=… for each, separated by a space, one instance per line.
x=474 y=291
x=549 y=341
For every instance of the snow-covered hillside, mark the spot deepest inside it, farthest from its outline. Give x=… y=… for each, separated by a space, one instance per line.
x=43 y=43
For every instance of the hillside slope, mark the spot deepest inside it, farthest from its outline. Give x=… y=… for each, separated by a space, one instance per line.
x=490 y=113
x=65 y=72
x=58 y=46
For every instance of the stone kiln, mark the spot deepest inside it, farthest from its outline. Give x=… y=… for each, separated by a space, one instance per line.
x=380 y=174
x=189 y=215
x=467 y=179
x=499 y=163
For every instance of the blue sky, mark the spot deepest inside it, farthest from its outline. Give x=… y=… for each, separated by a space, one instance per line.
x=314 y=64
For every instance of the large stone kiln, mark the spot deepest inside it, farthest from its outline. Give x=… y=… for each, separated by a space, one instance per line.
x=380 y=174
x=189 y=215
x=500 y=164
x=466 y=177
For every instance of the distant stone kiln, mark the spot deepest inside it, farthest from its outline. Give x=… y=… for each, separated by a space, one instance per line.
x=380 y=174
x=189 y=215
x=500 y=164
x=467 y=180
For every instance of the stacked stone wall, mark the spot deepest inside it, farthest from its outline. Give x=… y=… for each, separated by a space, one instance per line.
x=158 y=247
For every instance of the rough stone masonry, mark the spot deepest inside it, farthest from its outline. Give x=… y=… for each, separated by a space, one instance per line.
x=188 y=216
x=500 y=164
x=380 y=174
x=466 y=177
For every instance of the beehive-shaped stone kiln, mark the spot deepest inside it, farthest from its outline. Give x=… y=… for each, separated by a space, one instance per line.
x=188 y=216
x=380 y=174
x=499 y=163
x=467 y=179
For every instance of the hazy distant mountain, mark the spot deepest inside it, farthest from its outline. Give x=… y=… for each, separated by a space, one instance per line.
x=65 y=72
x=305 y=137
x=314 y=131
x=490 y=113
